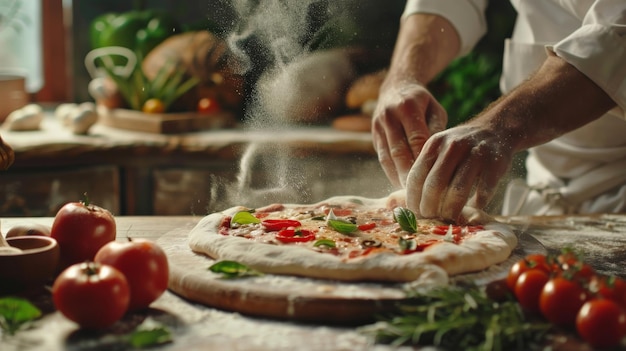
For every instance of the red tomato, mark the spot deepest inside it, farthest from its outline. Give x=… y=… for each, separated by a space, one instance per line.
x=81 y=229
x=291 y=235
x=208 y=106
x=528 y=289
x=93 y=295
x=578 y=271
x=560 y=301
x=609 y=287
x=601 y=323
x=529 y=262
x=143 y=263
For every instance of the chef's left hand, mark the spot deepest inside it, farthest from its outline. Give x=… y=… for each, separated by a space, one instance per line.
x=458 y=166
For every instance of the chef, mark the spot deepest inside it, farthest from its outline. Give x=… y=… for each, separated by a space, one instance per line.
x=564 y=100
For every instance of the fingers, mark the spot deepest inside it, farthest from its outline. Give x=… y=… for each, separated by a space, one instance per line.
x=448 y=172
x=398 y=139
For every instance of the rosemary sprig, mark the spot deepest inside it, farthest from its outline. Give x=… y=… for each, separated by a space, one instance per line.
x=458 y=318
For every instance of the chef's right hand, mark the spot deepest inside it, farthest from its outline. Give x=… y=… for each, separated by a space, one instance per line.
x=405 y=117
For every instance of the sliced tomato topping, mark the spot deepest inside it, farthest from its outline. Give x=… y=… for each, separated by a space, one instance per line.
x=224 y=226
x=367 y=226
x=420 y=247
x=339 y=211
x=359 y=253
x=443 y=229
x=278 y=224
x=292 y=235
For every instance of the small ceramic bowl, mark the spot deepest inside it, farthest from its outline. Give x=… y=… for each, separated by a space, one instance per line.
x=32 y=267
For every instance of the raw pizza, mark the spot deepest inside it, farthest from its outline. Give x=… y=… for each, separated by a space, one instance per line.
x=350 y=238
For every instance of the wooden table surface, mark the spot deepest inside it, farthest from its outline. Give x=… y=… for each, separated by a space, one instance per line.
x=196 y=327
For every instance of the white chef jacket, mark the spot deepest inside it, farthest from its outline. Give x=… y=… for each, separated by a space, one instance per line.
x=582 y=171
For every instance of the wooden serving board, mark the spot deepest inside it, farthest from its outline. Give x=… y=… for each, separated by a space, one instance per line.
x=296 y=298
x=163 y=123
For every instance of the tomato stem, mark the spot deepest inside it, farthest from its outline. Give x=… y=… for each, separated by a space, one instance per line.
x=86 y=200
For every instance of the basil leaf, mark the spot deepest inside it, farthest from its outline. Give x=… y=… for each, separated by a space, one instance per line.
x=149 y=333
x=244 y=217
x=342 y=226
x=15 y=312
x=406 y=219
x=325 y=242
x=233 y=269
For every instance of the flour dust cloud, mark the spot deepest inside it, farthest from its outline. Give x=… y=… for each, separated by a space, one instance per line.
x=270 y=37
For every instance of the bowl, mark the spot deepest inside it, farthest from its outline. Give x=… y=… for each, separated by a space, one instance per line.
x=31 y=268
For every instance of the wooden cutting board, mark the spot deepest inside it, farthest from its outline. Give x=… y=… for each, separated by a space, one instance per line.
x=296 y=298
x=163 y=123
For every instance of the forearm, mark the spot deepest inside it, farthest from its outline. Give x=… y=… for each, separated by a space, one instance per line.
x=426 y=44
x=554 y=101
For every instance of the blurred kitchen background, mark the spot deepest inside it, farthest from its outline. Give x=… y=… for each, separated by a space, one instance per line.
x=186 y=171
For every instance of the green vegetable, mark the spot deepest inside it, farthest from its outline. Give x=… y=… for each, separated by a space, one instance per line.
x=407 y=244
x=167 y=86
x=139 y=31
x=244 y=217
x=406 y=219
x=149 y=333
x=325 y=242
x=342 y=226
x=459 y=318
x=232 y=269
x=16 y=312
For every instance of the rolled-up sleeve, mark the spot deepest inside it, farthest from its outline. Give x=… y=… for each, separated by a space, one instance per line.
x=467 y=17
x=598 y=48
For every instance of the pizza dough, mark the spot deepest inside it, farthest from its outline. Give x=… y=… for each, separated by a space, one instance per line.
x=487 y=247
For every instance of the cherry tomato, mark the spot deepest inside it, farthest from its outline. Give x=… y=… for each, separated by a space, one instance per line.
x=601 y=323
x=609 y=287
x=528 y=288
x=143 y=263
x=561 y=299
x=278 y=224
x=93 y=295
x=578 y=271
x=153 y=106
x=291 y=235
x=537 y=261
x=208 y=106
x=81 y=229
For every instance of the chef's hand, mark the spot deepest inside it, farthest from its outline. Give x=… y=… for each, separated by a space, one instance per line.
x=405 y=117
x=459 y=166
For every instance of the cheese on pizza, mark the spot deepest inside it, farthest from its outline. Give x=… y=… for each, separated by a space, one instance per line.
x=349 y=238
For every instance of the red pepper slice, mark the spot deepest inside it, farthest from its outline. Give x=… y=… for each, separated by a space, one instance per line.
x=367 y=226
x=291 y=235
x=278 y=224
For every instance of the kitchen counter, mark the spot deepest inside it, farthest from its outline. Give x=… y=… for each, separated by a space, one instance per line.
x=196 y=327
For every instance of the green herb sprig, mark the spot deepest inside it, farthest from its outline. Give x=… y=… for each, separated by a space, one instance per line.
x=458 y=318
x=16 y=312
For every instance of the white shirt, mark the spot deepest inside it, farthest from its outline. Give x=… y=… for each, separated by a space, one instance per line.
x=590 y=35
